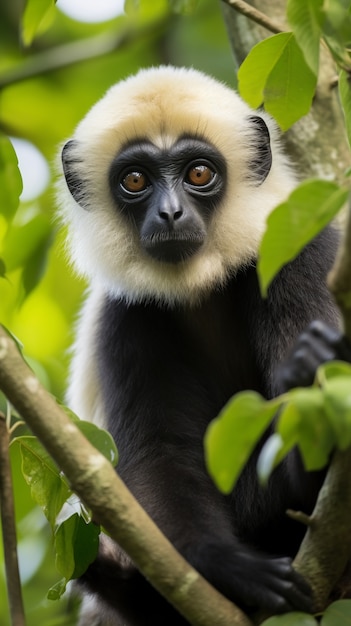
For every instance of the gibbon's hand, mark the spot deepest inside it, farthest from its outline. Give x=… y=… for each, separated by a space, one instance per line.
x=318 y=344
x=253 y=580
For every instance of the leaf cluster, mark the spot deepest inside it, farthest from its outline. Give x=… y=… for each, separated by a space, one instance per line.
x=76 y=536
x=281 y=72
x=316 y=420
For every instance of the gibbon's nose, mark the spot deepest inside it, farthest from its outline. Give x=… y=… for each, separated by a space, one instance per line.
x=170 y=210
x=171 y=214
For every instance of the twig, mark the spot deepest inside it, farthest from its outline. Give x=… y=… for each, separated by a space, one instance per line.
x=300 y=517
x=93 y=478
x=9 y=529
x=255 y=15
x=77 y=52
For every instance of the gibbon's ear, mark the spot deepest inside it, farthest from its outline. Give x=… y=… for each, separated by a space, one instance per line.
x=70 y=161
x=261 y=162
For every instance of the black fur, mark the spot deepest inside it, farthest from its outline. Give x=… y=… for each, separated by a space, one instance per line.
x=165 y=374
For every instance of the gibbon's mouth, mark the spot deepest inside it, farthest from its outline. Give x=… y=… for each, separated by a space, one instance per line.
x=172 y=247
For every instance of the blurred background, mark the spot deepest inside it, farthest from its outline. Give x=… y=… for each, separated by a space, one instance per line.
x=47 y=86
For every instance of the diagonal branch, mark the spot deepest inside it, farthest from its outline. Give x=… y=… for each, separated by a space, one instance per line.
x=93 y=478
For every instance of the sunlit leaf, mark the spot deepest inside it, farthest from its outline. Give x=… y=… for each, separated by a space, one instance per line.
x=303 y=421
x=34 y=14
x=232 y=436
x=337 y=403
x=10 y=178
x=48 y=486
x=294 y=223
x=23 y=240
x=56 y=591
x=290 y=86
x=276 y=74
x=304 y=18
x=257 y=66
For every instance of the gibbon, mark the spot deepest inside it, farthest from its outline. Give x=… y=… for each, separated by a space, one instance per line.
x=167 y=185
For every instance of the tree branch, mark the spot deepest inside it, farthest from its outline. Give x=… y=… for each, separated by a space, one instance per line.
x=93 y=478
x=9 y=529
x=255 y=15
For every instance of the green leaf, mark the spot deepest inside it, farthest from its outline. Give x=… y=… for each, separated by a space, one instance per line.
x=22 y=241
x=2 y=268
x=294 y=223
x=101 y=439
x=33 y=17
x=275 y=73
x=183 y=7
x=48 y=486
x=257 y=66
x=232 y=436
x=36 y=264
x=291 y=619
x=337 y=614
x=332 y=369
x=305 y=18
x=345 y=98
x=76 y=544
x=10 y=178
x=337 y=399
x=56 y=591
x=335 y=22
x=290 y=87
x=304 y=421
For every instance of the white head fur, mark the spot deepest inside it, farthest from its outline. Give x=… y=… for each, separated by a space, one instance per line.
x=160 y=105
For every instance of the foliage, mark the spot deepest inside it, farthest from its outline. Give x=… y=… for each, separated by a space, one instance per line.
x=317 y=420
x=75 y=535
x=281 y=71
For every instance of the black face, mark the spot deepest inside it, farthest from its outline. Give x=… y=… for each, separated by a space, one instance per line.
x=169 y=195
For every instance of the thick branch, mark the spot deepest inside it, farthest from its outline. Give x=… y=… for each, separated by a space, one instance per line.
x=9 y=530
x=93 y=478
x=326 y=548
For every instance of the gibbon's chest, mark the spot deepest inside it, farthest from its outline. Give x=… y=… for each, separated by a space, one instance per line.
x=183 y=348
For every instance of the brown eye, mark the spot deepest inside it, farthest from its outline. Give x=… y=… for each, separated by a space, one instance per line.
x=199 y=175
x=135 y=181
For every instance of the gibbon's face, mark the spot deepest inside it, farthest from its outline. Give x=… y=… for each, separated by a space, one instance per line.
x=169 y=179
